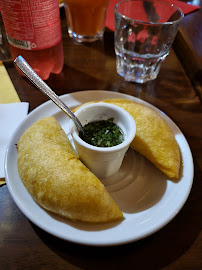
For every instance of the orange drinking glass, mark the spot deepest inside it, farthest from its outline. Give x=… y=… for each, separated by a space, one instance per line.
x=86 y=19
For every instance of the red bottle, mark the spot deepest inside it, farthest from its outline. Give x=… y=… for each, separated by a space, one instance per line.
x=34 y=31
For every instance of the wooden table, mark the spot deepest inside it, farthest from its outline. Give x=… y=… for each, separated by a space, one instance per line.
x=188 y=44
x=179 y=244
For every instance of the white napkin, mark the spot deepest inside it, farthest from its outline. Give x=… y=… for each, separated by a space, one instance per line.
x=10 y=117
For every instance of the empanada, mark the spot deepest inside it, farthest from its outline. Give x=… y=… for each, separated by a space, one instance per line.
x=56 y=178
x=153 y=138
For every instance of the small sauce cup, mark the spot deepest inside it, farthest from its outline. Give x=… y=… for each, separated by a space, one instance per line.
x=103 y=161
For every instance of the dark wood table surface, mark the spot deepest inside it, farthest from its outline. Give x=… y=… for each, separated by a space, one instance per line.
x=188 y=46
x=176 y=246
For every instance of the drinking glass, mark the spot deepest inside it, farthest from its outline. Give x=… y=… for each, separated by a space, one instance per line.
x=144 y=33
x=86 y=19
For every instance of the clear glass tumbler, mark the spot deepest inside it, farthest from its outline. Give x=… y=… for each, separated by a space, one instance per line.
x=144 y=33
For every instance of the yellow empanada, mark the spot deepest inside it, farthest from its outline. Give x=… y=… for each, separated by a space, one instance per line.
x=57 y=179
x=153 y=138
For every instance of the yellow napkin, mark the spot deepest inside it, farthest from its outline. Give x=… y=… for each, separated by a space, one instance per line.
x=8 y=93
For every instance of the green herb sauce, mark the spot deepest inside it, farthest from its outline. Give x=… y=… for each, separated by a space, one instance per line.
x=103 y=133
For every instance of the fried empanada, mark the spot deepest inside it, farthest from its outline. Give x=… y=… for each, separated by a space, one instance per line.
x=56 y=178
x=153 y=138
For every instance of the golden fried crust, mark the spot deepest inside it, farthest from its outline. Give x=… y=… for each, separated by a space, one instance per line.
x=57 y=179
x=153 y=138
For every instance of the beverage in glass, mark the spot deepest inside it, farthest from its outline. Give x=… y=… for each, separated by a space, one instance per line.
x=86 y=19
x=144 y=33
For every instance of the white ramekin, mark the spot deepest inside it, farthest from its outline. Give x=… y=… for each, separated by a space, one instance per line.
x=103 y=161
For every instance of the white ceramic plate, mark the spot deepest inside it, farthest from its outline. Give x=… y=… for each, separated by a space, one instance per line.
x=147 y=198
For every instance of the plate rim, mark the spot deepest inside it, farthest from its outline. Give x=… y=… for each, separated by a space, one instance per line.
x=114 y=95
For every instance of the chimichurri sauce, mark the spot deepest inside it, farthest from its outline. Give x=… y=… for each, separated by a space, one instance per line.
x=103 y=133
